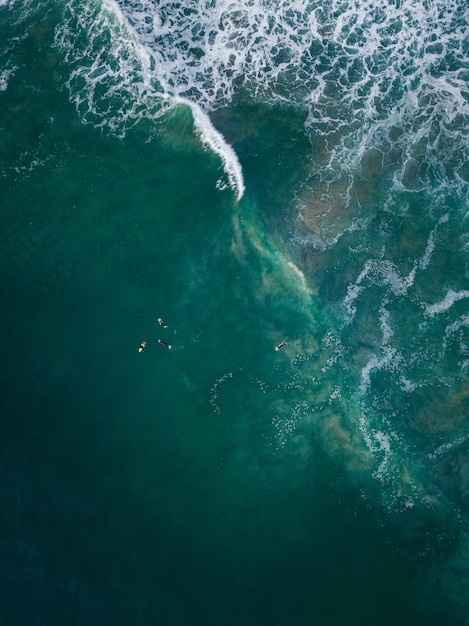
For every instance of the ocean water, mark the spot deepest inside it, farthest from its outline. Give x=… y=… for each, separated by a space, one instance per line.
x=254 y=173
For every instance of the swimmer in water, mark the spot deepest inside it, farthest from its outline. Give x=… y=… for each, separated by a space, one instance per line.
x=279 y=346
x=142 y=346
x=161 y=323
x=163 y=343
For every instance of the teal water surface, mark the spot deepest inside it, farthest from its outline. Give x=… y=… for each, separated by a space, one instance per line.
x=221 y=481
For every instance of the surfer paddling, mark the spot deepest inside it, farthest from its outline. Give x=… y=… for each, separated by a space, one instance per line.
x=164 y=343
x=161 y=323
x=142 y=346
x=279 y=346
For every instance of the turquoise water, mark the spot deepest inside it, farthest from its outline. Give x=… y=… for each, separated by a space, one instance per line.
x=253 y=174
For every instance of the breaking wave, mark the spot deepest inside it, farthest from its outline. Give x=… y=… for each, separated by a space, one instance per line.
x=382 y=83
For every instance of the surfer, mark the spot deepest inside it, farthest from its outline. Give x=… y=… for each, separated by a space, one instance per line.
x=161 y=323
x=163 y=343
x=279 y=346
x=142 y=346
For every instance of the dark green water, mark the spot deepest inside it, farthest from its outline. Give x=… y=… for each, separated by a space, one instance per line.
x=220 y=482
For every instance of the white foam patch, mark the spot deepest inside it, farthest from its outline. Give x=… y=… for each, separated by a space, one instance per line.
x=215 y=392
x=407 y=385
x=378 y=444
x=390 y=359
x=286 y=426
x=447 y=447
x=331 y=345
x=447 y=302
x=384 y=273
x=353 y=292
x=456 y=332
x=385 y=324
x=424 y=262
x=5 y=76
x=110 y=82
x=382 y=446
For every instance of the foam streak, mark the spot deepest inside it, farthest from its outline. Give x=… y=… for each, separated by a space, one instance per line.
x=447 y=302
x=214 y=140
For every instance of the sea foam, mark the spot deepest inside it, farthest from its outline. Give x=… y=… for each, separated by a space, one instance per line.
x=214 y=140
x=351 y=67
x=447 y=302
x=117 y=85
